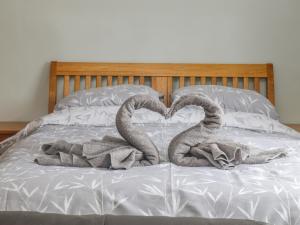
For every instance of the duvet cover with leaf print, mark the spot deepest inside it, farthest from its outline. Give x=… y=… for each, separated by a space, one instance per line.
x=266 y=192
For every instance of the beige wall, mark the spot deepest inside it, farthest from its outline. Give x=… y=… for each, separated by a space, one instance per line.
x=34 y=32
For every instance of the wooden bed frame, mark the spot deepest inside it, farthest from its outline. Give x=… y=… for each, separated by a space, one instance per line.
x=160 y=76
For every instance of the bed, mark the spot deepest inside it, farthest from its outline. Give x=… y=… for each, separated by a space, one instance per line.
x=267 y=192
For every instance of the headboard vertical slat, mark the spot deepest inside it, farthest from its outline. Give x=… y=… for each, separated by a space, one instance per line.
x=192 y=81
x=257 y=84
x=246 y=83
x=88 y=82
x=109 y=80
x=181 y=82
x=98 y=81
x=203 y=80
x=213 y=79
x=153 y=83
x=168 y=97
x=77 y=83
x=161 y=75
x=130 y=80
x=235 y=81
x=142 y=80
x=224 y=81
x=161 y=84
x=66 y=86
x=120 y=80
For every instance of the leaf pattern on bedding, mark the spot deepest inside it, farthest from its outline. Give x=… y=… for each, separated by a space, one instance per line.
x=104 y=96
x=268 y=192
x=232 y=99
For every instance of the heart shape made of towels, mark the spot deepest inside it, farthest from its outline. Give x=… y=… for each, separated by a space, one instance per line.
x=142 y=141
x=196 y=146
x=136 y=150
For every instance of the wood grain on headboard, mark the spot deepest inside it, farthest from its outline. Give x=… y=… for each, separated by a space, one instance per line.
x=160 y=75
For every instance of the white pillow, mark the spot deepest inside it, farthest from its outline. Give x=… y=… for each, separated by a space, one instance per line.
x=232 y=99
x=104 y=96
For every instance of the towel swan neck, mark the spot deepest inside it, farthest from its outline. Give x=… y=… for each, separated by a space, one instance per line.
x=212 y=111
x=134 y=136
x=180 y=146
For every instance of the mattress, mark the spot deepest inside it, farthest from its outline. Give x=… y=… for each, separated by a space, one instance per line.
x=265 y=192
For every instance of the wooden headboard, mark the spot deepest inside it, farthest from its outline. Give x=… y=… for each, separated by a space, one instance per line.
x=162 y=77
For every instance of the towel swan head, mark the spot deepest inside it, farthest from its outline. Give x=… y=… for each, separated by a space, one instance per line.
x=212 y=110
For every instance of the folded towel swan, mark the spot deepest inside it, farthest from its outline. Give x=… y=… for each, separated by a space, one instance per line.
x=201 y=146
x=110 y=152
x=196 y=146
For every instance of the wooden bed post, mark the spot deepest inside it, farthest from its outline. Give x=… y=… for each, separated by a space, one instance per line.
x=270 y=83
x=52 y=86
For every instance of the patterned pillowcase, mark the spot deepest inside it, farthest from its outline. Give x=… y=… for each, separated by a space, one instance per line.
x=104 y=96
x=232 y=99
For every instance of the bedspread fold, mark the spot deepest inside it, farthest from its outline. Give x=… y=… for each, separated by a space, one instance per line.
x=34 y=218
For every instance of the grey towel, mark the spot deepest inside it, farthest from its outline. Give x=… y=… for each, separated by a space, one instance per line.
x=201 y=146
x=134 y=136
x=110 y=152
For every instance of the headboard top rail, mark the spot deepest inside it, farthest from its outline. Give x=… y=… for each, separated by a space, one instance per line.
x=160 y=68
x=162 y=76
